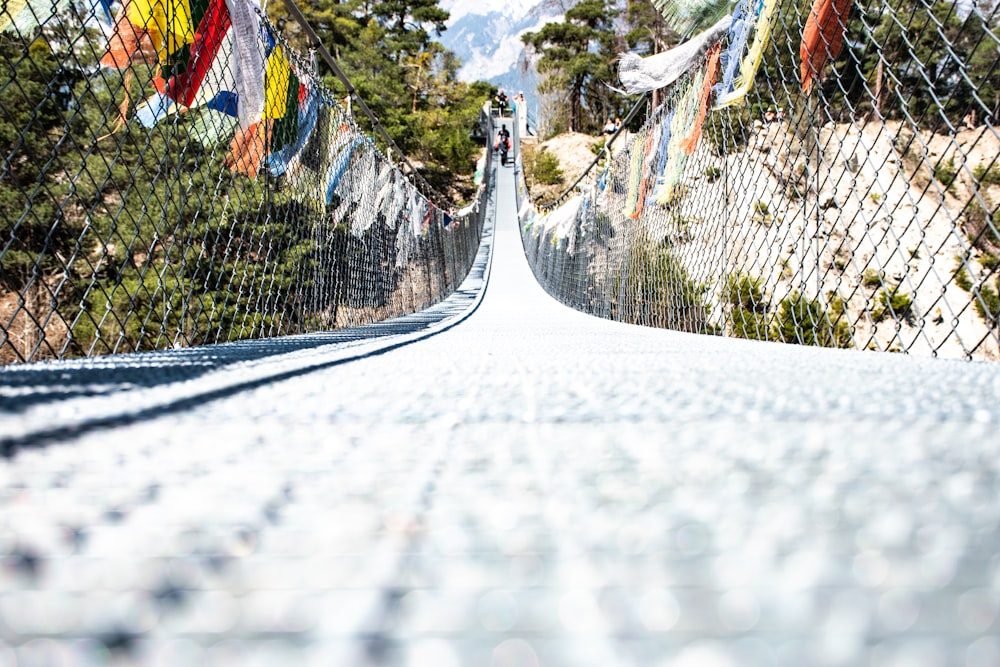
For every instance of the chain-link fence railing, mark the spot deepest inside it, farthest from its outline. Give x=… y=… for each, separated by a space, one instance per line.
x=173 y=173
x=851 y=200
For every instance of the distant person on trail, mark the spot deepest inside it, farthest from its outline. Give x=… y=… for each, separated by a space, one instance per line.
x=609 y=127
x=501 y=99
x=520 y=109
x=503 y=136
x=502 y=144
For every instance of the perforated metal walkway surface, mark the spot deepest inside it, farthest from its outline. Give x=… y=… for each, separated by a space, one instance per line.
x=501 y=482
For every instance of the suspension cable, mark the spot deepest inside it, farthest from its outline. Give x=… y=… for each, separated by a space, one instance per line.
x=607 y=145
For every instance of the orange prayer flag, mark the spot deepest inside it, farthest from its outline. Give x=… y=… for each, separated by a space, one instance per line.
x=128 y=43
x=822 y=37
x=249 y=147
x=690 y=142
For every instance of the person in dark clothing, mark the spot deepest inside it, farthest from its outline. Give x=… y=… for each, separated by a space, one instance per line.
x=501 y=100
x=503 y=144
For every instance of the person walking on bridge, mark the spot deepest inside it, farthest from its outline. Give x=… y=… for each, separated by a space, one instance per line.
x=503 y=144
x=501 y=99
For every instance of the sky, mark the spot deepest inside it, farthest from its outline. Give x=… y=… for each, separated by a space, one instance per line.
x=460 y=8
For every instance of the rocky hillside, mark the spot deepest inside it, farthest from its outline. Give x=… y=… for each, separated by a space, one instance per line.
x=883 y=211
x=859 y=216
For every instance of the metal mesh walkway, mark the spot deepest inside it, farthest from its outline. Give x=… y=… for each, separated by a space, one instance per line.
x=502 y=481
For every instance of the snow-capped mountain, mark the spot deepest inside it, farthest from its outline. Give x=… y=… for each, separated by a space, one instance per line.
x=459 y=8
x=486 y=35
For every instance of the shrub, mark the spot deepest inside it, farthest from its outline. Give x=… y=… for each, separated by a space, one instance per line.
x=712 y=173
x=988 y=303
x=984 y=176
x=656 y=290
x=945 y=172
x=748 y=318
x=961 y=276
x=982 y=224
x=762 y=212
x=745 y=292
x=893 y=302
x=873 y=278
x=986 y=299
x=807 y=322
x=748 y=324
x=545 y=168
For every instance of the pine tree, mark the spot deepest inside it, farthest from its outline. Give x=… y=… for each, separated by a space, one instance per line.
x=575 y=60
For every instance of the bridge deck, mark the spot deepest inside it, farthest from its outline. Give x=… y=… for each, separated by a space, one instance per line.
x=501 y=482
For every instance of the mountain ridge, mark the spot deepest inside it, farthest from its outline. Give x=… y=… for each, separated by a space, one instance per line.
x=488 y=41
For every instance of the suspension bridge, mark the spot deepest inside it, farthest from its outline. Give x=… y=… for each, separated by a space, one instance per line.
x=501 y=480
x=282 y=405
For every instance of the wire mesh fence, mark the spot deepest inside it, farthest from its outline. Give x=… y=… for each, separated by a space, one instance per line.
x=174 y=173
x=829 y=174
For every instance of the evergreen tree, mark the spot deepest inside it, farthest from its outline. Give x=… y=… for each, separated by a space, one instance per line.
x=648 y=33
x=407 y=79
x=930 y=61
x=576 y=57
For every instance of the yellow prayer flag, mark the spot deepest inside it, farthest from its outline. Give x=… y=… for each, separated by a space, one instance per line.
x=276 y=80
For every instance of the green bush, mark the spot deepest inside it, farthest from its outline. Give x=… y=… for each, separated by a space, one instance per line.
x=892 y=302
x=873 y=278
x=986 y=176
x=986 y=298
x=748 y=317
x=808 y=322
x=545 y=168
x=983 y=225
x=962 y=277
x=750 y=324
x=988 y=303
x=655 y=290
x=745 y=292
x=946 y=172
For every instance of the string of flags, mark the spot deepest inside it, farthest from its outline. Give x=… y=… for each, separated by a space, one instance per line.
x=713 y=69
x=721 y=63
x=221 y=72
x=742 y=30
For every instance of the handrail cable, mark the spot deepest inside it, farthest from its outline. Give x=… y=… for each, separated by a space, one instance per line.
x=607 y=145
x=317 y=44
